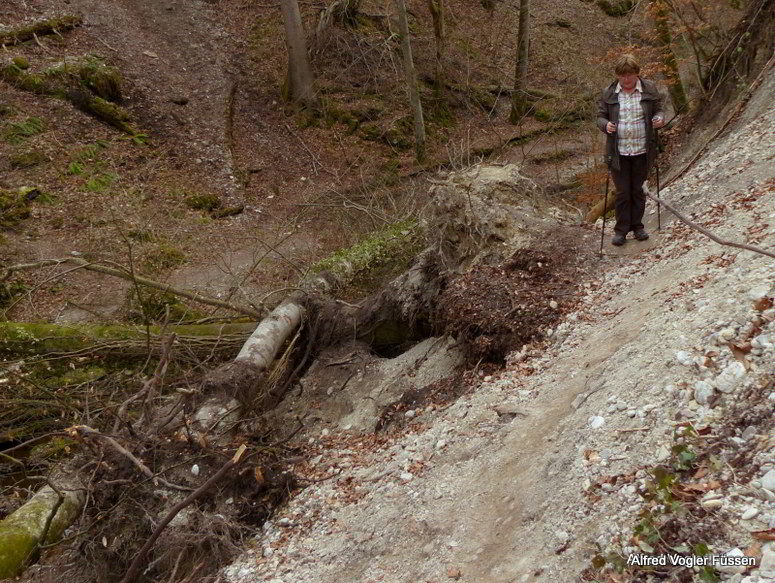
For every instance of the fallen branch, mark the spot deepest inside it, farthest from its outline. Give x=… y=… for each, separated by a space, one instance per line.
x=166 y=288
x=131 y=574
x=705 y=231
x=27 y=32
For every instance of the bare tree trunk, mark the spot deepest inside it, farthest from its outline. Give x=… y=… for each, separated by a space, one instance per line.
x=437 y=12
x=661 y=14
x=411 y=81
x=300 y=87
x=519 y=102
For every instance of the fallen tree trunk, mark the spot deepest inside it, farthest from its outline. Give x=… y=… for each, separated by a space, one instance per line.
x=24 y=338
x=597 y=211
x=27 y=32
x=88 y=102
x=41 y=520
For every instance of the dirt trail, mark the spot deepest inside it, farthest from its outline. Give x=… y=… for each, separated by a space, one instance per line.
x=174 y=51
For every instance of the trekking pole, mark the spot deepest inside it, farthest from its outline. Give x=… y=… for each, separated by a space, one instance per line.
x=656 y=164
x=605 y=209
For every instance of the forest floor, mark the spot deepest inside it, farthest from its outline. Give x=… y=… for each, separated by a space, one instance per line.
x=203 y=80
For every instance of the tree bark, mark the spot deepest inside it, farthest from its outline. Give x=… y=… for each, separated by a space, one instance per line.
x=301 y=87
x=661 y=13
x=411 y=81
x=519 y=101
x=436 y=8
x=597 y=211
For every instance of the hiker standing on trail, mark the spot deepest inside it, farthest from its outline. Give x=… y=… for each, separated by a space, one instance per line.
x=629 y=111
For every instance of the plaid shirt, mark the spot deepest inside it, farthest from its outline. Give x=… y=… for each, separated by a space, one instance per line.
x=631 y=130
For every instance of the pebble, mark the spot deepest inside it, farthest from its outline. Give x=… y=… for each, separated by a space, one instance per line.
x=596 y=422
x=757 y=293
x=441 y=444
x=684 y=358
x=195 y=469
x=730 y=377
x=284 y=522
x=711 y=504
x=767 y=564
x=703 y=392
x=749 y=513
x=410 y=414
x=406 y=477
x=768 y=480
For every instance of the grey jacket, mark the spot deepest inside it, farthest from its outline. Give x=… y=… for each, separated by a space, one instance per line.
x=608 y=110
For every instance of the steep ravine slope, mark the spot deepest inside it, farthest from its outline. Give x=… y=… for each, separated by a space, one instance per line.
x=542 y=467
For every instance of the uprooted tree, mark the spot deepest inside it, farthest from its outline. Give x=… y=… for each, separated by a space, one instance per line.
x=132 y=433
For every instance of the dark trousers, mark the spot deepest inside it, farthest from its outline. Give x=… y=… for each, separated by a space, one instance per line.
x=630 y=198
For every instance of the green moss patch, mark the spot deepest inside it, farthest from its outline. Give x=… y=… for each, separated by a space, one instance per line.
x=379 y=256
x=21 y=62
x=15 y=133
x=202 y=202
x=15 y=206
x=163 y=256
x=101 y=182
x=26 y=159
x=92 y=73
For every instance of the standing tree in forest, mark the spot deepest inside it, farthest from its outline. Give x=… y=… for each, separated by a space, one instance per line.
x=519 y=102
x=300 y=83
x=661 y=14
x=437 y=12
x=411 y=81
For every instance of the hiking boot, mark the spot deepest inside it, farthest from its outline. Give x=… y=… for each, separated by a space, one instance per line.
x=641 y=234
x=619 y=239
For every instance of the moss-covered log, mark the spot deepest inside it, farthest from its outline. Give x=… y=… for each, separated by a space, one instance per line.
x=72 y=90
x=56 y=24
x=22 y=338
x=41 y=520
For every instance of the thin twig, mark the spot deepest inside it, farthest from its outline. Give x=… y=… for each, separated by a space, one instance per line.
x=123 y=274
x=85 y=430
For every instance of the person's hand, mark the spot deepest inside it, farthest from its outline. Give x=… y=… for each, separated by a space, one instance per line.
x=657 y=121
x=610 y=127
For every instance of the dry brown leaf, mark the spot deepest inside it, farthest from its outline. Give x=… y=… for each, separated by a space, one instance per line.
x=763 y=304
x=258 y=475
x=739 y=351
x=703 y=486
x=454 y=573
x=700 y=473
x=768 y=534
x=755 y=550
